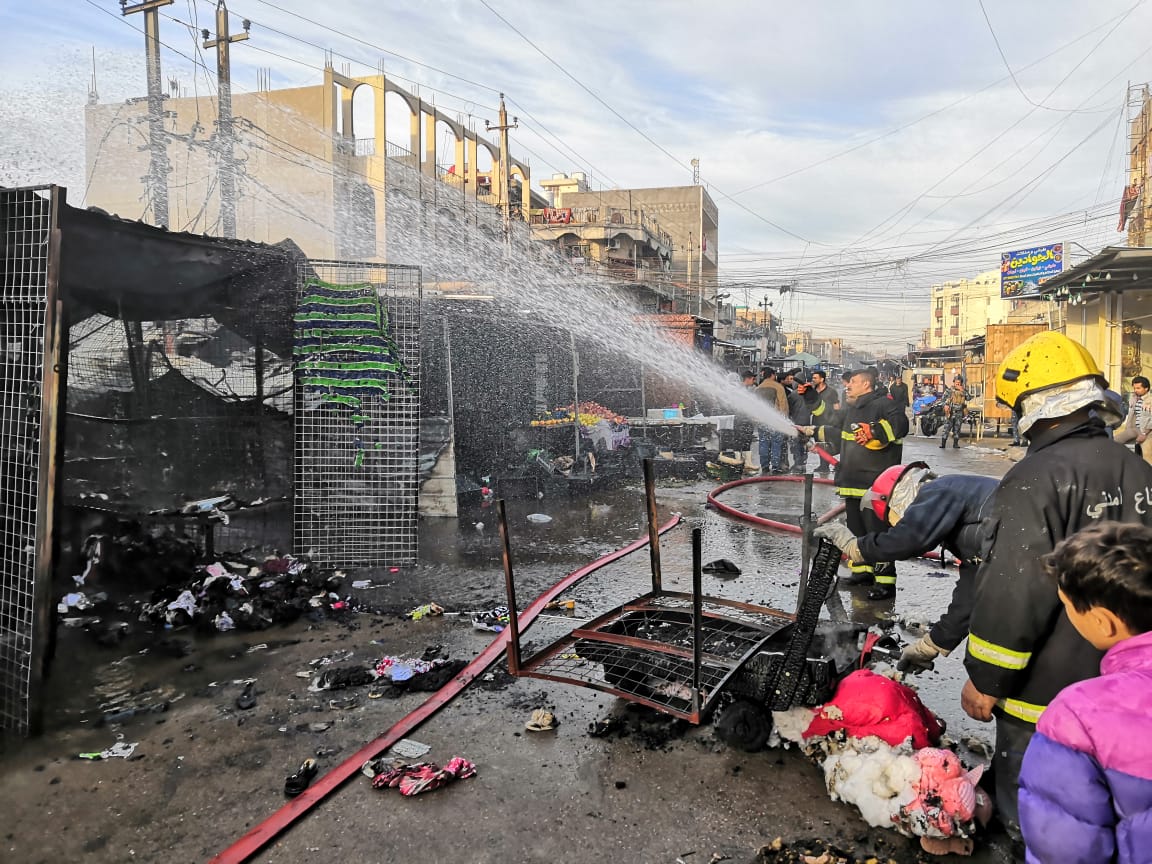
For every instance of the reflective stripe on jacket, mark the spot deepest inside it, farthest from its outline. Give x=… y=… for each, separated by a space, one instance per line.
x=861 y=464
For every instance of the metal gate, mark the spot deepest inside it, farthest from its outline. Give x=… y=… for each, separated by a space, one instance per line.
x=30 y=344
x=357 y=369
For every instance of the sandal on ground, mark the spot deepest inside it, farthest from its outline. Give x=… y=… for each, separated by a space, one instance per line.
x=296 y=783
x=541 y=721
x=603 y=728
x=722 y=566
x=247 y=698
x=374 y=767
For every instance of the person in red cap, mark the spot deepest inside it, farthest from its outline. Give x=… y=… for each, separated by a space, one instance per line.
x=925 y=512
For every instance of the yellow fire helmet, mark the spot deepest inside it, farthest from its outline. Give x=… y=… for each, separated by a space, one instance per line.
x=1046 y=360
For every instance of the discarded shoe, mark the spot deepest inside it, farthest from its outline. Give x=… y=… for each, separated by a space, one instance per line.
x=882 y=592
x=428 y=610
x=605 y=727
x=343 y=678
x=344 y=703
x=247 y=697
x=541 y=721
x=721 y=566
x=374 y=767
x=494 y=620
x=296 y=783
x=119 y=750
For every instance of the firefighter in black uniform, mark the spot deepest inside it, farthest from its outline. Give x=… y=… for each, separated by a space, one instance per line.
x=870 y=430
x=925 y=511
x=1022 y=649
x=825 y=410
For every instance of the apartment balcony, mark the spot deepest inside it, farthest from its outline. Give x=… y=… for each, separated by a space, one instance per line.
x=954 y=310
x=939 y=313
x=398 y=154
x=601 y=224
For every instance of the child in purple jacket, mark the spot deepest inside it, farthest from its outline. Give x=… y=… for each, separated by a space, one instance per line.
x=1086 y=783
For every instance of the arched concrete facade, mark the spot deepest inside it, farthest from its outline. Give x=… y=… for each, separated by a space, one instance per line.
x=422 y=128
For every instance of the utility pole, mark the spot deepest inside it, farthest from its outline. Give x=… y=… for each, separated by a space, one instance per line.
x=157 y=179
x=689 y=279
x=505 y=164
x=226 y=171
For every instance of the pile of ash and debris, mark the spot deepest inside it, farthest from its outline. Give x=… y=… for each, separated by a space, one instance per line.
x=136 y=579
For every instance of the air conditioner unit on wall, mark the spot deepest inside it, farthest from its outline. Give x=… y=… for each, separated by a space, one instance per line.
x=613 y=244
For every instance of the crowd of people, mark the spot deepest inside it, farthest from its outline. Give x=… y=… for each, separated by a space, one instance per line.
x=1054 y=594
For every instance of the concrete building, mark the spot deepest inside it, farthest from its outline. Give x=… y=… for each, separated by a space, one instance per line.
x=798 y=342
x=621 y=243
x=830 y=349
x=756 y=329
x=963 y=309
x=306 y=170
x=679 y=225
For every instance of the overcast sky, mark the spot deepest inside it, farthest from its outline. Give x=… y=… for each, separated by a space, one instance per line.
x=952 y=160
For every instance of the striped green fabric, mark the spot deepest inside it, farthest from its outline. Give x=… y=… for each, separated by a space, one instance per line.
x=357 y=366
x=345 y=351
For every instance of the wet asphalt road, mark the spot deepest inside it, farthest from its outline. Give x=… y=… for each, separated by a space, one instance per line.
x=205 y=772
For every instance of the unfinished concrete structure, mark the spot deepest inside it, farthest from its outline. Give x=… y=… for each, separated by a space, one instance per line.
x=306 y=168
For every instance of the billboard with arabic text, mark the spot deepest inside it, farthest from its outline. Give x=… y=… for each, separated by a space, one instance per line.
x=1024 y=271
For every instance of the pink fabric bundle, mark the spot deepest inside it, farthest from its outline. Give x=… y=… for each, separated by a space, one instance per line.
x=945 y=792
x=424 y=776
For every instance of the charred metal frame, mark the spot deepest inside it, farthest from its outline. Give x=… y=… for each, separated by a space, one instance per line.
x=700 y=676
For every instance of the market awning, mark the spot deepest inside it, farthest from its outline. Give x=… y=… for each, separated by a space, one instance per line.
x=1117 y=268
x=804 y=359
x=138 y=272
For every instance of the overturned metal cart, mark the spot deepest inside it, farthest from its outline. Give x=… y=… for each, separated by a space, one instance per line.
x=690 y=655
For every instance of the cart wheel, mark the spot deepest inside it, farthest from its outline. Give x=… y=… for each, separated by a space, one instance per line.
x=744 y=725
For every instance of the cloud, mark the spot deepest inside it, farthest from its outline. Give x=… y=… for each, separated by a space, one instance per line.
x=753 y=90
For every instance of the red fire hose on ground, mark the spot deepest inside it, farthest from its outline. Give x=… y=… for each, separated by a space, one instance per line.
x=268 y=830
x=760 y=521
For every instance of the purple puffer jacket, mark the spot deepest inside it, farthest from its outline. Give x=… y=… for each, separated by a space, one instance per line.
x=1086 y=784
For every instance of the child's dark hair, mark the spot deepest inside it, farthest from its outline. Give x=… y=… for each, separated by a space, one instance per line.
x=1107 y=565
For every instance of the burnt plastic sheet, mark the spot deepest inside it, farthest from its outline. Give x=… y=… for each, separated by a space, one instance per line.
x=137 y=272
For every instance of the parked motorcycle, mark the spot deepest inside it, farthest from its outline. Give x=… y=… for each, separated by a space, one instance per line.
x=931 y=416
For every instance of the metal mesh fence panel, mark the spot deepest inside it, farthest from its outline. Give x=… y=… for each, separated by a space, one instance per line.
x=357 y=359
x=28 y=340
